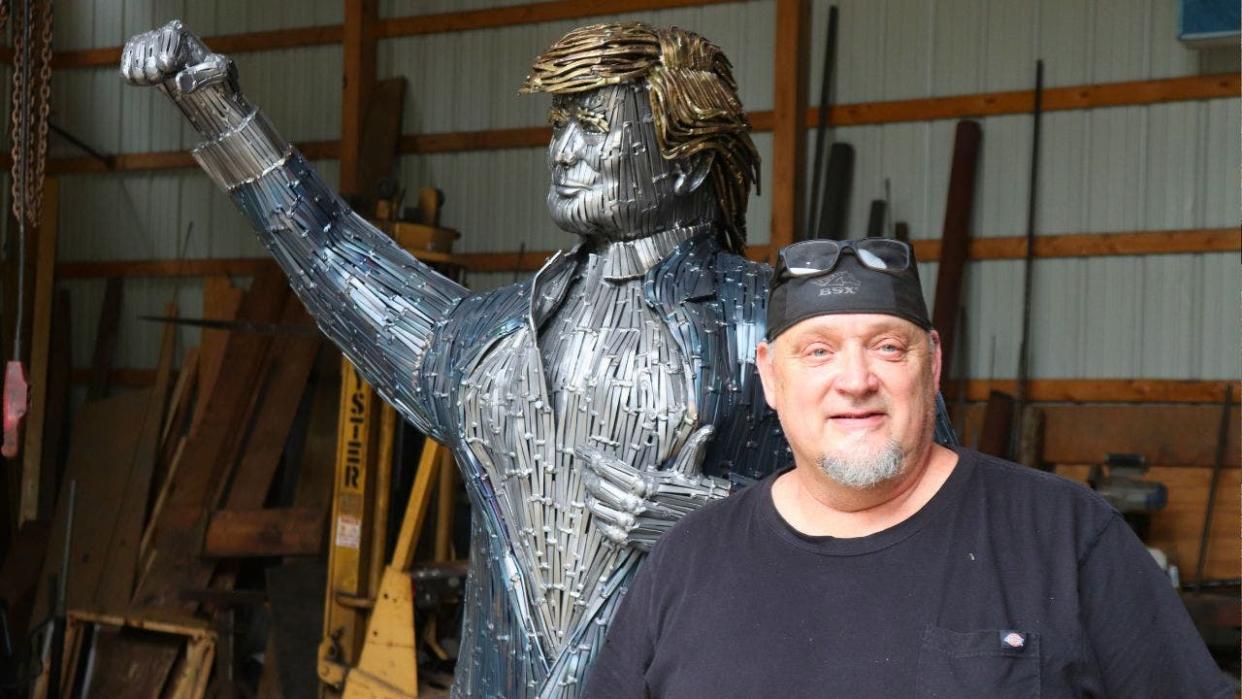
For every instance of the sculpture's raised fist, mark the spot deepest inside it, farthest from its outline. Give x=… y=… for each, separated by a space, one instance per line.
x=174 y=58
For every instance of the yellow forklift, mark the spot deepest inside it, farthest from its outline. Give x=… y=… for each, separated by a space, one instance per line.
x=370 y=645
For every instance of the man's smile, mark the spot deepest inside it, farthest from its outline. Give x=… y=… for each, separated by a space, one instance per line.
x=857 y=419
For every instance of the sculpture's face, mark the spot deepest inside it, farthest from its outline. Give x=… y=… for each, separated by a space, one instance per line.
x=609 y=179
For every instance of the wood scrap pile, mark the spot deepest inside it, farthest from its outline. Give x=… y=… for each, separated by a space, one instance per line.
x=184 y=493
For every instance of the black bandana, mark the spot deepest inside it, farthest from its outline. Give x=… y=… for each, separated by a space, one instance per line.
x=849 y=288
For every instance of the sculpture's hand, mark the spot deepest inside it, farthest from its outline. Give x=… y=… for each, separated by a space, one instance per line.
x=634 y=508
x=172 y=57
x=202 y=84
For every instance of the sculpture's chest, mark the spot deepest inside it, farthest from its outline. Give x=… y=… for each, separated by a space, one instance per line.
x=616 y=377
x=604 y=371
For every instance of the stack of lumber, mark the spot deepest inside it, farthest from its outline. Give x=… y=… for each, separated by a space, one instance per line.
x=222 y=464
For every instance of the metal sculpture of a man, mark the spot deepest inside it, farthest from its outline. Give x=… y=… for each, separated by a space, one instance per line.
x=590 y=407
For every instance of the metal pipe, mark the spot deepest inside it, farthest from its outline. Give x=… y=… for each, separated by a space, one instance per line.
x=1222 y=439
x=1028 y=263
x=821 y=128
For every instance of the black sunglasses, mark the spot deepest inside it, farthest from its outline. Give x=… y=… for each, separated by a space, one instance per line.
x=811 y=258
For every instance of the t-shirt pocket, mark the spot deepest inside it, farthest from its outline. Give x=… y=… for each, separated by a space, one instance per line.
x=993 y=663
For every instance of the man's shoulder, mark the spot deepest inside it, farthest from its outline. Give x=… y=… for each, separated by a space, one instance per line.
x=1002 y=473
x=1031 y=497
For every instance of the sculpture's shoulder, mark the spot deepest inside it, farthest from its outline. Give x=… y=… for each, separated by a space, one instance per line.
x=485 y=315
x=742 y=285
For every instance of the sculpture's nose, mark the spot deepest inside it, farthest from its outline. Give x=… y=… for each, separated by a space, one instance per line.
x=567 y=144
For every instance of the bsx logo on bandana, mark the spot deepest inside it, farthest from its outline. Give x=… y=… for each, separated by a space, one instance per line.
x=837 y=284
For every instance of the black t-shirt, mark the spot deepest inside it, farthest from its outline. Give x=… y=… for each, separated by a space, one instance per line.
x=1010 y=582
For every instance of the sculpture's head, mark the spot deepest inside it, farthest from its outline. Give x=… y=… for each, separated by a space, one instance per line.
x=648 y=133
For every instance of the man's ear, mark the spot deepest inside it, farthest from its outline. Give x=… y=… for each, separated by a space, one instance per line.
x=767 y=375
x=936 y=357
x=692 y=172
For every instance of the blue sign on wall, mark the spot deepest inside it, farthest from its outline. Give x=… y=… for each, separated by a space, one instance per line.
x=1209 y=20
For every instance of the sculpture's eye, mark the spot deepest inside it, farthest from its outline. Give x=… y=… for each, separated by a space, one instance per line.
x=557 y=117
x=592 y=122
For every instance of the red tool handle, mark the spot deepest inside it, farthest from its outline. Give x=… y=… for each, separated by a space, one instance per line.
x=16 y=399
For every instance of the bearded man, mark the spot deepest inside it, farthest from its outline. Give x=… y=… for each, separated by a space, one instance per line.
x=882 y=564
x=580 y=404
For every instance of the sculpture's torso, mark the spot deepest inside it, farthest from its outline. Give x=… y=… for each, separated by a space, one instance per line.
x=602 y=371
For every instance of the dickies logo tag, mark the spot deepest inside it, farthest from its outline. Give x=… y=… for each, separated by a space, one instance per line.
x=1012 y=640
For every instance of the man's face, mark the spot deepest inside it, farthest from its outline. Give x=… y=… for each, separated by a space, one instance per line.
x=609 y=179
x=855 y=393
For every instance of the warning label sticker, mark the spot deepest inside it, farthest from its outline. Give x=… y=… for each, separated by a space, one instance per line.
x=348 y=531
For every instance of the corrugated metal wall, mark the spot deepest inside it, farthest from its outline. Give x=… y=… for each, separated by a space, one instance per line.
x=1163 y=166
x=146 y=215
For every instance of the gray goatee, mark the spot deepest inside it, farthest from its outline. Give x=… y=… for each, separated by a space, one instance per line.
x=866 y=470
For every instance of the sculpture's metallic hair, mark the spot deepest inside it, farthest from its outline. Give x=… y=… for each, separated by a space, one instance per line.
x=693 y=98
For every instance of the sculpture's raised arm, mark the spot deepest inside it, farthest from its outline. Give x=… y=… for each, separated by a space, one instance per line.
x=366 y=293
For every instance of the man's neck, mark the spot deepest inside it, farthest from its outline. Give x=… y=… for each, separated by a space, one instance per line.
x=817 y=506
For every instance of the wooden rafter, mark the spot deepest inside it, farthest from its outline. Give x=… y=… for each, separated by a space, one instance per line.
x=985 y=104
x=1170 y=242
x=391 y=27
x=532 y=13
x=789 y=124
x=359 y=63
x=1041 y=390
x=224 y=43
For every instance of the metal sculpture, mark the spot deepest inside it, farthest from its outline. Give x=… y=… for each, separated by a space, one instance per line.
x=590 y=407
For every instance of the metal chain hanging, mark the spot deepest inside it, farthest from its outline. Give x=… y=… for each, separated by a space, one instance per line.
x=32 y=73
x=32 y=52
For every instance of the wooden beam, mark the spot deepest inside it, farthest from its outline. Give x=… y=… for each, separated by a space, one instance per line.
x=1102 y=390
x=1121 y=94
x=224 y=43
x=532 y=13
x=359 y=59
x=1203 y=240
x=392 y=27
x=1041 y=391
x=1166 y=435
x=161 y=160
x=216 y=267
x=32 y=460
x=493 y=139
x=985 y=104
x=287 y=531
x=1096 y=244
x=789 y=121
x=1057 y=99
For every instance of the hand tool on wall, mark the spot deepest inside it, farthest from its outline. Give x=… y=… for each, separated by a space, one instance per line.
x=834 y=205
x=1028 y=266
x=821 y=128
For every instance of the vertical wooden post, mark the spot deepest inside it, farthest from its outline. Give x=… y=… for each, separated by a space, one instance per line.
x=353 y=490
x=789 y=120
x=359 y=39
x=40 y=350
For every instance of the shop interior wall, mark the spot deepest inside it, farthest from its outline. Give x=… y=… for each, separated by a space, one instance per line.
x=1141 y=168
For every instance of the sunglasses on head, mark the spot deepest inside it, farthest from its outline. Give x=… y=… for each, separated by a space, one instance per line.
x=811 y=258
